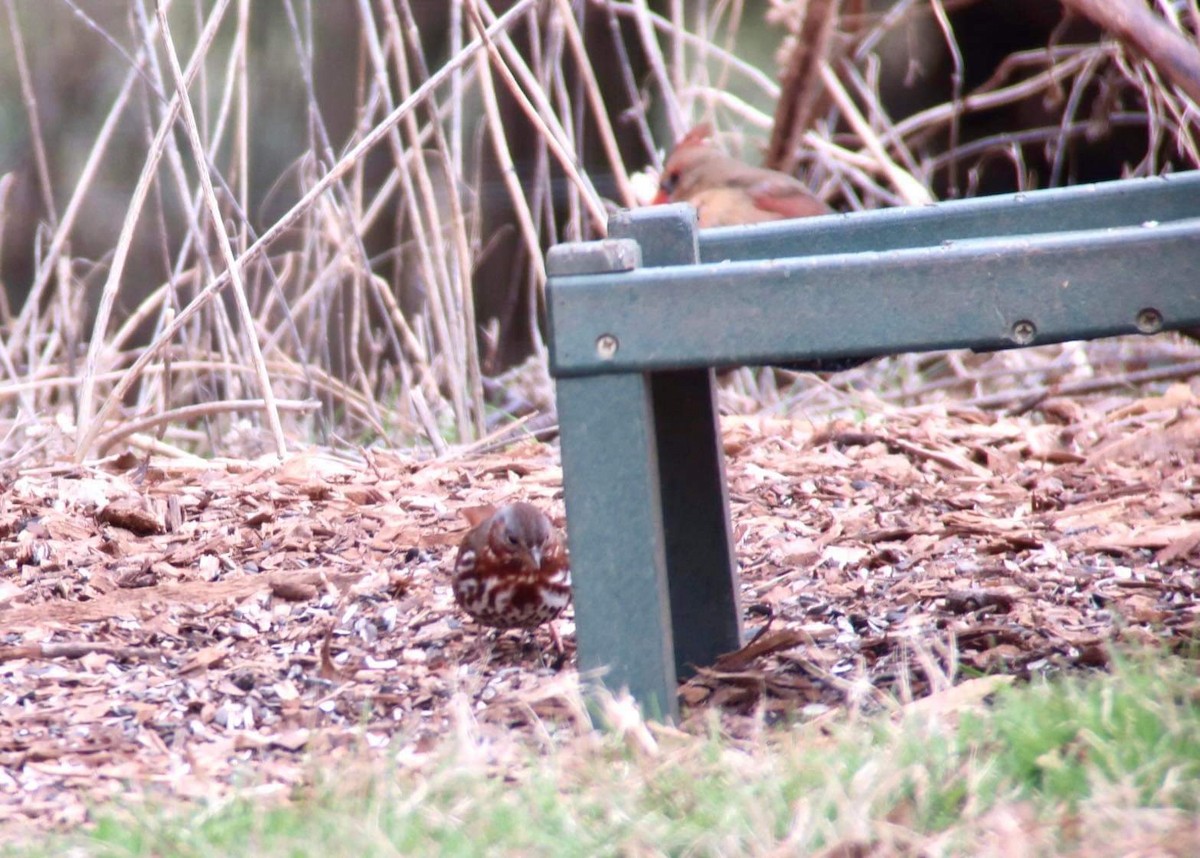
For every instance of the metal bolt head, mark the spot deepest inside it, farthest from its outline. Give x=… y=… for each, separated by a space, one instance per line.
x=1149 y=321
x=1023 y=332
x=606 y=346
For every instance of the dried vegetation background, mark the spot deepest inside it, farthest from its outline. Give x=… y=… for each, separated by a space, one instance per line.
x=369 y=311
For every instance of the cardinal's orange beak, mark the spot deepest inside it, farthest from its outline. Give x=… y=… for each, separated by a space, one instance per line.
x=660 y=198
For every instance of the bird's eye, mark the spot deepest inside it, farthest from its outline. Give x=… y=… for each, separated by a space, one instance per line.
x=511 y=539
x=669 y=181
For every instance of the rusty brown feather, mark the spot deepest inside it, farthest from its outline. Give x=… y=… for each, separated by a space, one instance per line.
x=512 y=569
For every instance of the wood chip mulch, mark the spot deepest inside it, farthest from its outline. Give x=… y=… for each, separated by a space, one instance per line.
x=178 y=630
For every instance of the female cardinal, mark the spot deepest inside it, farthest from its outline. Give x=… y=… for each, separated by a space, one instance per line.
x=725 y=191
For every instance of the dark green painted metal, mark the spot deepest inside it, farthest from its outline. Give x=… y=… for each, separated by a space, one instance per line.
x=590 y=257
x=1109 y=204
x=962 y=294
x=647 y=501
x=668 y=235
x=618 y=562
x=701 y=568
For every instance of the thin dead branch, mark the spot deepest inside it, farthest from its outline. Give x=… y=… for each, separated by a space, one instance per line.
x=76 y=650
x=1133 y=23
x=801 y=97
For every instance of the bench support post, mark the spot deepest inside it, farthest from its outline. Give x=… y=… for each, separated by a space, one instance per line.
x=618 y=561
x=701 y=565
x=652 y=557
x=637 y=320
x=701 y=570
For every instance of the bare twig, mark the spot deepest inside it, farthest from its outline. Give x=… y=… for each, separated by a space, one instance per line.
x=1134 y=24
x=596 y=102
x=305 y=203
x=801 y=98
x=77 y=649
x=956 y=84
x=1113 y=381
x=195 y=412
x=87 y=426
x=913 y=192
x=235 y=274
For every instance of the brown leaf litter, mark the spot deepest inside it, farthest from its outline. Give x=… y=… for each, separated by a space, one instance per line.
x=182 y=629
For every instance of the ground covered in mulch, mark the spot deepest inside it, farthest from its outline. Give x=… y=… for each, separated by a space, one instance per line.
x=185 y=630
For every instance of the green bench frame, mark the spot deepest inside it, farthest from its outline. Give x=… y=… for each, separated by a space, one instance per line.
x=638 y=321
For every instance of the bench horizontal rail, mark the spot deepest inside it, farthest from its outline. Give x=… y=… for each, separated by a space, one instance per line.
x=1082 y=207
x=634 y=318
x=975 y=293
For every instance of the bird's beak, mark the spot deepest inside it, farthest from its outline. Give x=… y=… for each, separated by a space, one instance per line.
x=661 y=197
x=535 y=554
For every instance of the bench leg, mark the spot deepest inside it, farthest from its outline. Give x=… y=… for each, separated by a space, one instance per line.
x=618 y=561
x=701 y=569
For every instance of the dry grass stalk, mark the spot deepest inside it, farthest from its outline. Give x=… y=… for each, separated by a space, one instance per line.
x=239 y=288
x=388 y=344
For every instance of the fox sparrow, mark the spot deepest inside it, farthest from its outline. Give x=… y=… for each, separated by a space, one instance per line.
x=726 y=191
x=512 y=569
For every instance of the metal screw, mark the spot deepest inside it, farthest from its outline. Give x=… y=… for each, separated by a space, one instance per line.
x=1023 y=332
x=606 y=346
x=1149 y=321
